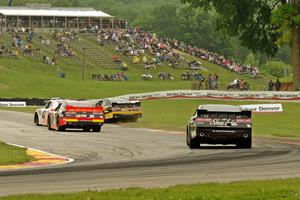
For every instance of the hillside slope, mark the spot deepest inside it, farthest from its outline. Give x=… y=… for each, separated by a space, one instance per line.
x=30 y=77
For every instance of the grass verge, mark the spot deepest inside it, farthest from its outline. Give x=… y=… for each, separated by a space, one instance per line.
x=13 y=155
x=268 y=190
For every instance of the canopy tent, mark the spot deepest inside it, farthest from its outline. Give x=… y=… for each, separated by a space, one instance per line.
x=37 y=16
x=57 y=12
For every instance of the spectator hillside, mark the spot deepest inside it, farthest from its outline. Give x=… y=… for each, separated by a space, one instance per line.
x=136 y=53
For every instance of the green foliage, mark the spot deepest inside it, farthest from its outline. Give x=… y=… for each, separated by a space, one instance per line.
x=277 y=68
x=284 y=14
x=251 y=60
x=250 y=21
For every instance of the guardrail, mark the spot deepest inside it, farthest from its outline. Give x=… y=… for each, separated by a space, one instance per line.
x=188 y=94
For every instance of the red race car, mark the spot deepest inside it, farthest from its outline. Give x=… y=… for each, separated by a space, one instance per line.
x=76 y=114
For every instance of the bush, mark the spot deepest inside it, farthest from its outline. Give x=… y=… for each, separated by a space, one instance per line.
x=277 y=68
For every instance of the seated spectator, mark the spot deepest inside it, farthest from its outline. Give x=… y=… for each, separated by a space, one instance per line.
x=136 y=60
x=123 y=66
x=116 y=59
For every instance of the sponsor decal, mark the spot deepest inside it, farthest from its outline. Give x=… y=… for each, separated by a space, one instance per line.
x=223 y=122
x=12 y=104
x=261 y=108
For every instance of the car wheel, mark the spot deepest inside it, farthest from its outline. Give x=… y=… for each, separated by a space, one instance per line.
x=59 y=128
x=192 y=143
x=36 y=119
x=97 y=128
x=49 y=124
x=244 y=143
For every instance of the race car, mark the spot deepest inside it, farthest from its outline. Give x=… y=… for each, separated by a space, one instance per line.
x=220 y=124
x=120 y=109
x=76 y=114
x=41 y=114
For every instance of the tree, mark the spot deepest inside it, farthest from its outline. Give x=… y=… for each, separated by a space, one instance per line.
x=251 y=60
x=261 y=25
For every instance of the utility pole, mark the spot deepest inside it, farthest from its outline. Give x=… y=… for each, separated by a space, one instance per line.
x=83 y=67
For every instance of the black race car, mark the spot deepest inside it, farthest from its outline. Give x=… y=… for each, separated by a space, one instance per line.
x=220 y=124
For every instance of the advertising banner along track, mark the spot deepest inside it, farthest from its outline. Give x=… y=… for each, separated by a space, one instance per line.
x=222 y=95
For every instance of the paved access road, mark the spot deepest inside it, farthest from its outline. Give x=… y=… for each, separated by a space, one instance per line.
x=124 y=157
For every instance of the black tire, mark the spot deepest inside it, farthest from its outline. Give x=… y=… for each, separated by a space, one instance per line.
x=244 y=143
x=191 y=143
x=49 y=124
x=36 y=119
x=59 y=128
x=97 y=129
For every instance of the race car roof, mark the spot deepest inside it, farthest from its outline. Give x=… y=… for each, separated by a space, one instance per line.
x=220 y=108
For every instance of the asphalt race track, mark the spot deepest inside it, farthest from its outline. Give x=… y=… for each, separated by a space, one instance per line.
x=124 y=157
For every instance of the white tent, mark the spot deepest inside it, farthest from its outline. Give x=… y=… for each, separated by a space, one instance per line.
x=57 y=12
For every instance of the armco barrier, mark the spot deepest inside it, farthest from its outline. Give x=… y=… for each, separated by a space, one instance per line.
x=222 y=95
x=191 y=94
x=29 y=102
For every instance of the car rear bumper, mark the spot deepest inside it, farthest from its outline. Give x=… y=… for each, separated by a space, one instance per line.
x=80 y=122
x=222 y=135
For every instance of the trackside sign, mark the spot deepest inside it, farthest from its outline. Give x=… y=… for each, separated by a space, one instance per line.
x=264 y=108
x=12 y=104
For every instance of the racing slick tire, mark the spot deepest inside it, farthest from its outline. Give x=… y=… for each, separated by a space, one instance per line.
x=49 y=124
x=97 y=129
x=191 y=143
x=36 y=119
x=244 y=143
x=59 y=127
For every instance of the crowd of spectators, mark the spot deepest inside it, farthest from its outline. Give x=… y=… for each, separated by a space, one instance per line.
x=119 y=76
x=64 y=40
x=165 y=76
x=135 y=42
x=239 y=84
x=189 y=76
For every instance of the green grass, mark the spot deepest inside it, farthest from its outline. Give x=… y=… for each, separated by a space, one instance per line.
x=254 y=190
x=13 y=155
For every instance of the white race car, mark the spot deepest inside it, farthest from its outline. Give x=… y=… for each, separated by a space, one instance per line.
x=41 y=114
